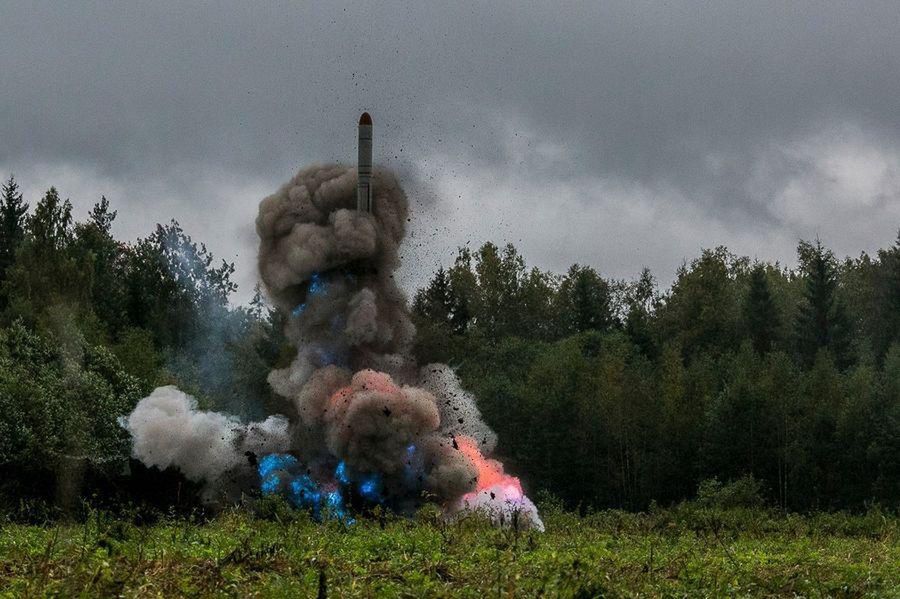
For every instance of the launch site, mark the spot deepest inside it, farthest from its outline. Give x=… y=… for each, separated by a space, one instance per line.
x=449 y=299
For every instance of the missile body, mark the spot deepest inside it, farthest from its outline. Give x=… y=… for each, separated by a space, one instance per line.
x=364 y=165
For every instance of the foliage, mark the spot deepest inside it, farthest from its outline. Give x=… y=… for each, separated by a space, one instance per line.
x=91 y=324
x=604 y=393
x=688 y=551
x=822 y=321
x=745 y=492
x=13 y=210
x=624 y=395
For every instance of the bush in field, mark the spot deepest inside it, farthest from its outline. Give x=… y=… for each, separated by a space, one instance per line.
x=745 y=492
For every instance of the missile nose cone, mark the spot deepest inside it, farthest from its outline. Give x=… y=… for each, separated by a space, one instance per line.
x=365 y=119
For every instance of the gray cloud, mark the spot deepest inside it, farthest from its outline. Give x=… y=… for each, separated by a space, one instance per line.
x=662 y=127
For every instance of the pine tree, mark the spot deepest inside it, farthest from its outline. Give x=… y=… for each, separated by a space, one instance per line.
x=761 y=312
x=50 y=270
x=98 y=248
x=822 y=320
x=885 y=318
x=12 y=224
x=585 y=301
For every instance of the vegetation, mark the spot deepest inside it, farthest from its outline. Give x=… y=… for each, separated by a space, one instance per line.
x=745 y=395
x=609 y=394
x=615 y=394
x=691 y=550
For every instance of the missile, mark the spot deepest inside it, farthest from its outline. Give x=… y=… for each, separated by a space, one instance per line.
x=364 y=165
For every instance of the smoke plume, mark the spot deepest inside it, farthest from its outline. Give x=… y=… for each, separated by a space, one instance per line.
x=364 y=424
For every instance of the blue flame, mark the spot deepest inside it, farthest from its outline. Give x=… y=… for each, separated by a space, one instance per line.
x=334 y=507
x=270 y=484
x=278 y=474
x=413 y=466
x=304 y=492
x=370 y=488
x=281 y=473
x=340 y=473
x=272 y=462
x=317 y=286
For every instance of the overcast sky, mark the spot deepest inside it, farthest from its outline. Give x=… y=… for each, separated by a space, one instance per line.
x=615 y=134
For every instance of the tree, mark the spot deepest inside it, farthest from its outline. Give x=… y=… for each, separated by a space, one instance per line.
x=641 y=302
x=880 y=315
x=760 y=312
x=58 y=412
x=50 y=227
x=173 y=287
x=105 y=255
x=584 y=302
x=434 y=302
x=499 y=276
x=464 y=284
x=702 y=310
x=12 y=224
x=48 y=271
x=822 y=321
x=537 y=310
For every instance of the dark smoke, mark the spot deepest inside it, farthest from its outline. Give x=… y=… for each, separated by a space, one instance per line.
x=357 y=403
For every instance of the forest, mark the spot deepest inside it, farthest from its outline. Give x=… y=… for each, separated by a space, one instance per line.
x=776 y=384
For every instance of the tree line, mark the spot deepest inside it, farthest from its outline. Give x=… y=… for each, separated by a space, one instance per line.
x=90 y=324
x=603 y=392
x=616 y=393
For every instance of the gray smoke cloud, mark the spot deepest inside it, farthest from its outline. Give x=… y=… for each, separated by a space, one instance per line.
x=353 y=393
x=168 y=430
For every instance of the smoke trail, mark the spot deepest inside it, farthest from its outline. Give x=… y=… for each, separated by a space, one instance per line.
x=367 y=425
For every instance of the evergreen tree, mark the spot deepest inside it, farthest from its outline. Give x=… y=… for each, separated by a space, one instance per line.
x=100 y=249
x=49 y=270
x=822 y=321
x=584 y=301
x=884 y=317
x=12 y=224
x=640 y=302
x=761 y=312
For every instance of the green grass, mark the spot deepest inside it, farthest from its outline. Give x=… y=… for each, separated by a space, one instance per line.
x=687 y=551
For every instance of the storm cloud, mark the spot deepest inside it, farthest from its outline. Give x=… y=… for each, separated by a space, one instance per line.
x=621 y=135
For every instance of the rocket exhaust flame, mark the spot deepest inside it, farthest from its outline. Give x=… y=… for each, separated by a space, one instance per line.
x=364 y=424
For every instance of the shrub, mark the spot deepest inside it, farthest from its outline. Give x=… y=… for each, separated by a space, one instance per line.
x=745 y=492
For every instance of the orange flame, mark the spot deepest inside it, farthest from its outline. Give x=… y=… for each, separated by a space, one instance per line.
x=490 y=472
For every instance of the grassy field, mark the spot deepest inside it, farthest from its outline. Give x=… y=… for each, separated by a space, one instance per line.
x=687 y=551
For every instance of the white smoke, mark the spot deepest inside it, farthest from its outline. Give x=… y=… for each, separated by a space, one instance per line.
x=168 y=430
